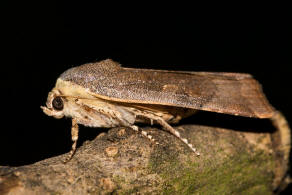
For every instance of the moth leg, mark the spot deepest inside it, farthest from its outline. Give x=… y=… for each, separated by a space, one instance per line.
x=144 y=133
x=169 y=128
x=74 y=137
x=151 y=121
x=281 y=124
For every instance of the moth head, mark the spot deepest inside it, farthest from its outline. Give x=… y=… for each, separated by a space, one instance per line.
x=54 y=105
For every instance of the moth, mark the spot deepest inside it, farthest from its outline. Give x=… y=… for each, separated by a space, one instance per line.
x=104 y=94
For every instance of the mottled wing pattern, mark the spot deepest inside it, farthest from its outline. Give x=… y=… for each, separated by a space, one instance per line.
x=230 y=93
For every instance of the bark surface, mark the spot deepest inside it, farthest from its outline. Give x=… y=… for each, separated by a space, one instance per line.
x=122 y=161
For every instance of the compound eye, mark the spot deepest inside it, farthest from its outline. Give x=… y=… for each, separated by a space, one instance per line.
x=58 y=103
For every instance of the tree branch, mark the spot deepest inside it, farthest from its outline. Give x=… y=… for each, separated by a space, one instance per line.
x=124 y=162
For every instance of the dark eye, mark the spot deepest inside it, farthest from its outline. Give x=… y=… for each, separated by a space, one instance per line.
x=58 y=103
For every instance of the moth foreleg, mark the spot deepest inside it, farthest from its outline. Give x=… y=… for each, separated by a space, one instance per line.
x=169 y=128
x=144 y=133
x=74 y=137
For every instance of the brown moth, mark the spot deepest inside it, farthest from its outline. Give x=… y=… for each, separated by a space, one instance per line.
x=104 y=94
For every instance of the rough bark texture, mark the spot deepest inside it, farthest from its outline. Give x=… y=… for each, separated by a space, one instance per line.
x=124 y=162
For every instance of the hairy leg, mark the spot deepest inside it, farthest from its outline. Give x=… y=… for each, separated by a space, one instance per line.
x=169 y=128
x=144 y=133
x=74 y=137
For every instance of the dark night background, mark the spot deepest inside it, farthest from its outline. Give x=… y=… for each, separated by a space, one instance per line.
x=41 y=41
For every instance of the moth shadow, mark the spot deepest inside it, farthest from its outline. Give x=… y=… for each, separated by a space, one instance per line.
x=89 y=134
x=238 y=123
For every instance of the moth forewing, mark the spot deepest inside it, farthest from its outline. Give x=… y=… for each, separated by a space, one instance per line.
x=230 y=93
x=104 y=94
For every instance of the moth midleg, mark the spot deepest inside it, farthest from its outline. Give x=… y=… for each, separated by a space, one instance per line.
x=74 y=137
x=169 y=128
x=144 y=133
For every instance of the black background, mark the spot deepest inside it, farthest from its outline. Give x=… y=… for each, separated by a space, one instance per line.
x=40 y=41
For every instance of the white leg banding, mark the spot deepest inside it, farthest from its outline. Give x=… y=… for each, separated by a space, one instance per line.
x=135 y=128
x=169 y=128
x=74 y=137
x=144 y=133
